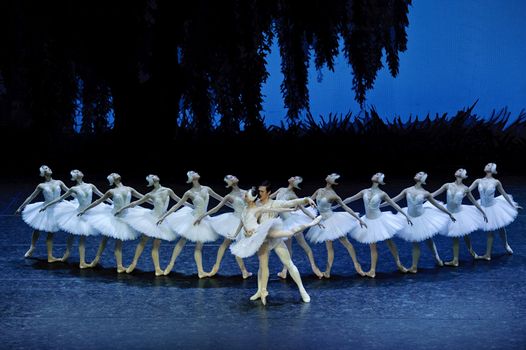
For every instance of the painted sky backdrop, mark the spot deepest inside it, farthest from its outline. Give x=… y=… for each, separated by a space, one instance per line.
x=458 y=51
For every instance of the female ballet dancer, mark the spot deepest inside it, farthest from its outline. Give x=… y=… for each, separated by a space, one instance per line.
x=468 y=218
x=43 y=221
x=293 y=219
x=427 y=221
x=66 y=213
x=145 y=221
x=111 y=225
x=183 y=224
x=501 y=211
x=268 y=233
x=381 y=226
x=336 y=225
x=227 y=223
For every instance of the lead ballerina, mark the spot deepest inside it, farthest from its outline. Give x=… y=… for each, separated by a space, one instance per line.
x=381 y=226
x=501 y=211
x=42 y=221
x=269 y=234
x=427 y=221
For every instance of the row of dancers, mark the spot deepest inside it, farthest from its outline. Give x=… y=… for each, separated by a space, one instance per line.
x=263 y=220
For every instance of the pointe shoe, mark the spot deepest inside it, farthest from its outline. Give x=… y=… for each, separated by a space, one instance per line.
x=327 y=274
x=213 y=272
x=453 y=263
x=439 y=262
x=202 y=274
x=131 y=268
x=83 y=266
x=53 y=259
x=317 y=272
x=402 y=269
x=359 y=270
x=256 y=296
x=412 y=270
x=168 y=269
x=282 y=274
x=121 y=269
x=371 y=274
x=29 y=252
x=264 y=295
x=305 y=297
x=94 y=263
x=159 y=273
x=508 y=249
x=246 y=274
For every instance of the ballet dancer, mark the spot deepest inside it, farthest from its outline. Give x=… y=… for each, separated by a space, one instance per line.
x=227 y=223
x=381 y=226
x=67 y=218
x=501 y=211
x=184 y=224
x=42 y=221
x=293 y=219
x=336 y=225
x=111 y=225
x=468 y=217
x=427 y=221
x=145 y=221
x=262 y=235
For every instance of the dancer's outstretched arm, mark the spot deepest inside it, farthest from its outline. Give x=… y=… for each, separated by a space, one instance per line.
x=439 y=191
x=176 y=198
x=349 y=199
x=214 y=209
x=99 y=193
x=104 y=197
x=474 y=185
x=176 y=206
x=388 y=199
x=145 y=198
x=68 y=193
x=33 y=195
x=433 y=201
x=213 y=194
x=476 y=204
x=349 y=210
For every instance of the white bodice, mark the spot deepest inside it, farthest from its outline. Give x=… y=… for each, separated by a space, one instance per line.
x=455 y=196
x=486 y=189
x=238 y=204
x=285 y=195
x=323 y=204
x=83 y=193
x=121 y=197
x=415 y=203
x=249 y=219
x=50 y=190
x=160 y=199
x=371 y=202
x=200 y=201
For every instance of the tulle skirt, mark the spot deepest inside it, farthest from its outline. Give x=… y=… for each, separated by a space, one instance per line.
x=225 y=224
x=248 y=246
x=68 y=221
x=142 y=220
x=425 y=226
x=499 y=215
x=42 y=221
x=379 y=229
x=114 y=226
x=182 y=222
x=468 y=219
x=336 y=225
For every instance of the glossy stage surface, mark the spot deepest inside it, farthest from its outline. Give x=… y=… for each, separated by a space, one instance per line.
x=58 y=306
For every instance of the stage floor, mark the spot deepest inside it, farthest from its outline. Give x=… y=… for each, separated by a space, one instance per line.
x=58 y=306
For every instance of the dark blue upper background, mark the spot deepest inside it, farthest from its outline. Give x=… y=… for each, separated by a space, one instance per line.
x=458 y=51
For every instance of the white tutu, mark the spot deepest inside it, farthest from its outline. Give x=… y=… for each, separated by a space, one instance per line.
x=248 y=246
x=182 y=222
x=379 y=229
x=142 y=220
x=500 y=214
x=225 y=224
x=297 y=218
x=42 y=221
x=113 y=226
x=336 y=225
x=468 y=220
x=425 y=226
x=68 y=221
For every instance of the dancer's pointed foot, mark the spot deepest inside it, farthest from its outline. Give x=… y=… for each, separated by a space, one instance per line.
x=371 y=274
x=202 y=274
x=317 y=272
x=264 y=295
x=131 y=267
x=439 y=261
x=305 y=296
x=121 y=269
x=283 y=274
x=484 y=257
x=402 y=268
x=412 y=269
x=473 y=254
x=94 y=263
x=453 y=263
x=83 y=265
x=246 y=274
x=508 y=249
x=256 y=296
x=359 y=270
x=327 y=273
x=168 y=269
x=29 y=252
x=159 y=272
x=52 y=259
x=214 y=271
